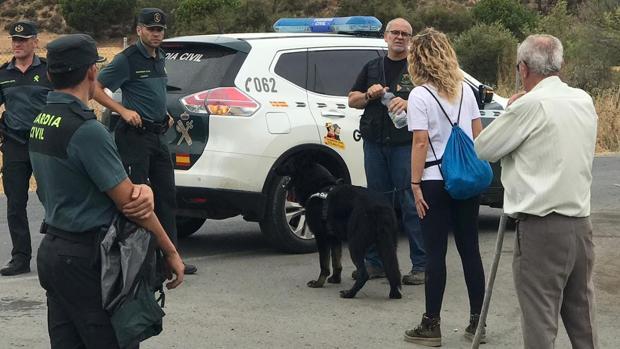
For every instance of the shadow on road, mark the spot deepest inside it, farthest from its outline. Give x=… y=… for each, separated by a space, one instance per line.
x=226 y=236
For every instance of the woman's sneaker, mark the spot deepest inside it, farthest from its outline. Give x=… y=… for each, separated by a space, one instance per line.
x=428 y=333
x=470 y=331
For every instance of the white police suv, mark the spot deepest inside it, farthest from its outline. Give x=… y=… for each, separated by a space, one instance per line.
x=245 y=103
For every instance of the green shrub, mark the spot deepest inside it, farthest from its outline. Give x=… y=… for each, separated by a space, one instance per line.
x=206 y=16
x=591 y=44
x=487 y=51
x=450 y=18
x=509 y=13
x=95 y=16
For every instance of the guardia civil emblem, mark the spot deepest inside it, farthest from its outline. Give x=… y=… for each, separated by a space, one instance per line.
x=19 y=28
x=183 y=126
x=157 y=17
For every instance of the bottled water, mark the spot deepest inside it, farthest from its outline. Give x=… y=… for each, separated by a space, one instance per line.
x=399 y=119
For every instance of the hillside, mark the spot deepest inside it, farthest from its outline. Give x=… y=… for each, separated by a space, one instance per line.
x=45 y=12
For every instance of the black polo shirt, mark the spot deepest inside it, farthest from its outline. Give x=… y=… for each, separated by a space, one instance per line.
x=142 y=79
x=23 y=94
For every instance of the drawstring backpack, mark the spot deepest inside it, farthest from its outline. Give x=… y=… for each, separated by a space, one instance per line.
x=464 y=175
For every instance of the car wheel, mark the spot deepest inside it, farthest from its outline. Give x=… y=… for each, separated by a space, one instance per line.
x=187 y=226
x=285 y=220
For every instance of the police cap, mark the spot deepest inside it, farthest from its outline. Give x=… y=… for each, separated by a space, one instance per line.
x=71 y=52
x=23 y=29
x=152 y=17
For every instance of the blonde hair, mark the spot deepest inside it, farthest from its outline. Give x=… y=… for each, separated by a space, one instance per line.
x=432 y=60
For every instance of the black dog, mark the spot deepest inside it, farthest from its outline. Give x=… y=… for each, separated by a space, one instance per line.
x=338 y=212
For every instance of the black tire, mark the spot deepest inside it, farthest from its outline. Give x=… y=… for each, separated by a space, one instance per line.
x=284 y=223
x=187 y=226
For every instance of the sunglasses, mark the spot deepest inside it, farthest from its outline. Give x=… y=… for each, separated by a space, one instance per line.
x=400 y=33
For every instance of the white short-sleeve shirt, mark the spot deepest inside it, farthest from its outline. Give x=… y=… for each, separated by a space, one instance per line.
x=423 y=113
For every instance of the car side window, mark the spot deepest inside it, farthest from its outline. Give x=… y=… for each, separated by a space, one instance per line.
x=333 y=72
x=292 y=67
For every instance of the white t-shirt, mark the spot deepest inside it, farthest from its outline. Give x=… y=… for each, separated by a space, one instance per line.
x=423 y=113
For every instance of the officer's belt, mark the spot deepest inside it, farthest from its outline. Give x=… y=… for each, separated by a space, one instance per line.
x=86 y=237
x=155 y=127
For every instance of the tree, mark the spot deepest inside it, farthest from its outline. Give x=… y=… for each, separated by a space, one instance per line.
x=94 y=17
x=206 y=16
x=451 y=18
x=591 y=41
x=509 y=13
x=488 y=52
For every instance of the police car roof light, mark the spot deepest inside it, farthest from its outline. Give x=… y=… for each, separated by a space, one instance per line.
x=353 y=24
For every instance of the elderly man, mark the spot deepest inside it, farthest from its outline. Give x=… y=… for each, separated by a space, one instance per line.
x=387 y=149
x=546 y=141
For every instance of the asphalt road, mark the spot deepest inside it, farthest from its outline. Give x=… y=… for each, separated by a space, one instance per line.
x=247 y=295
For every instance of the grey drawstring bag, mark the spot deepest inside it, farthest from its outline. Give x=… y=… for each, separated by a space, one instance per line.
x=130 y=277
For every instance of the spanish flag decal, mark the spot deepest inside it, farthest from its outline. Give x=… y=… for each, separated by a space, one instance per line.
x=182 y=160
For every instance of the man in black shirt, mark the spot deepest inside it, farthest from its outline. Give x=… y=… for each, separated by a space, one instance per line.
x=387 y=149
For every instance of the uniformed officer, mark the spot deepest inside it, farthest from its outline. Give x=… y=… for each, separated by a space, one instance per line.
x=139 y=71
x=82 y=185
x=23 y=89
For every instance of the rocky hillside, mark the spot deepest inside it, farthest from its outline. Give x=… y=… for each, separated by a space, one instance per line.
x=45 y=12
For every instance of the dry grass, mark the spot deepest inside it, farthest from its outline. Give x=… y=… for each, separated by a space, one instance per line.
x=607 y=106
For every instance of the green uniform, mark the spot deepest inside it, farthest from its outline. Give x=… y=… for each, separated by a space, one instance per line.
x=23 y=93
x=75 y=161
x=142 y=78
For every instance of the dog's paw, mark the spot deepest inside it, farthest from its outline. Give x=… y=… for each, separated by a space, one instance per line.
x=395 y=294
x=314 y=284
x=346 y=294
x=334 y=279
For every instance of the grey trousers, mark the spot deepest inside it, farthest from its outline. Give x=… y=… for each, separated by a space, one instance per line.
x=552 y=268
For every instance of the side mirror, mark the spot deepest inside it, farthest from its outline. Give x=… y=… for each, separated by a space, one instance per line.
x=485 y=94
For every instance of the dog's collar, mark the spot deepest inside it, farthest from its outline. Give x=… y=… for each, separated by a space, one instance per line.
x=323 y=195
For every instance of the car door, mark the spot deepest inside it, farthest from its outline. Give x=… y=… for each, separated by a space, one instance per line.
x=331 y=74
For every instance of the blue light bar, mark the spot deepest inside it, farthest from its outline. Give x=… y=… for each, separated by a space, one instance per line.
x=354 y=24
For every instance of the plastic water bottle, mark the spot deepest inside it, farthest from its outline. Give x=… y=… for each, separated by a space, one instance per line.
x=399 y=119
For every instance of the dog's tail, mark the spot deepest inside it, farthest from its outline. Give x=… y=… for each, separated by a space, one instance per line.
x=387 y=229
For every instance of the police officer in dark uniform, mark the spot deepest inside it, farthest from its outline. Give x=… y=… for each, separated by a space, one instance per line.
x=23 y=89
x=139 y=71
x=82 y=185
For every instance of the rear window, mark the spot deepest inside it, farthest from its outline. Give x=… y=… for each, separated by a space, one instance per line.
x=198 y=67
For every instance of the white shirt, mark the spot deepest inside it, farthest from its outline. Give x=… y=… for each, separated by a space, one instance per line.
x=423 y=113
x=546 y=140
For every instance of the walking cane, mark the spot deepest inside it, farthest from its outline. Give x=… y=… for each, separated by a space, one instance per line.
x=487 y=295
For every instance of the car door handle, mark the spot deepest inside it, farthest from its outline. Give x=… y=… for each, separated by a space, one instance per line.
x=332 y=114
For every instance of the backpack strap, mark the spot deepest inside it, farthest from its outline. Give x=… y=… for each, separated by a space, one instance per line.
x=458 y=119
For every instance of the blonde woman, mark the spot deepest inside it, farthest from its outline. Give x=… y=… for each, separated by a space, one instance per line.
x=440 y=100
